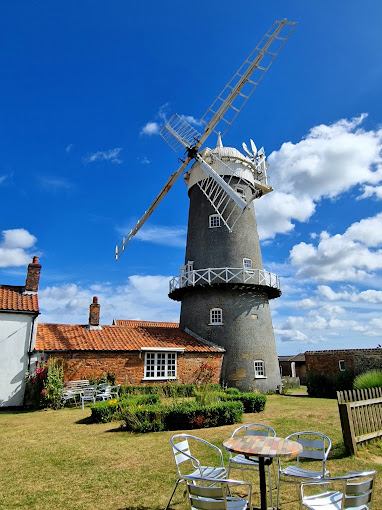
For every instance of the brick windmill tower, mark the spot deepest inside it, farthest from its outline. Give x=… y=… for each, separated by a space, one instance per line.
x=223 y=287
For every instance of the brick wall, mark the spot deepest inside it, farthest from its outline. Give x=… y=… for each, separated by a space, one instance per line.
x=128 y=367
x=357 y=360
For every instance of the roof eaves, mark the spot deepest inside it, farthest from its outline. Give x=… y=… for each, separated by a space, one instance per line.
x=201 y=339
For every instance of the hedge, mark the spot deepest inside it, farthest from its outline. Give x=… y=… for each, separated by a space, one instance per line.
x=103 y=412
x=181 y=416
x=252 y=402
x=168 y=389
x=321 y=385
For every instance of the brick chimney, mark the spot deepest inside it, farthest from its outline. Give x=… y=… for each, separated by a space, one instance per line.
x=94 y=314
x=33 y=277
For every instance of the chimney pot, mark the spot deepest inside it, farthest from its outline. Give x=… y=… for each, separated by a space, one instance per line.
x=94 y=313
x=33 y=276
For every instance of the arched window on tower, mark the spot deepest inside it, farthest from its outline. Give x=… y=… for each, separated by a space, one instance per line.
x=214 y=221
x=216 y=316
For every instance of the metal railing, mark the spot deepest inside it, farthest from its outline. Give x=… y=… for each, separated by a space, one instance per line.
x=214 y=275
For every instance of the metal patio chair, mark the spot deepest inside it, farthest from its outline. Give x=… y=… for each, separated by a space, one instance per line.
x=189 y=467
x=217 y=496
x=316 y=447
x=239 y=461
x=357 y=492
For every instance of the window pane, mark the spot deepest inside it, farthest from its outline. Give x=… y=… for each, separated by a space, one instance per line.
x=259 y=368
x=216 y=316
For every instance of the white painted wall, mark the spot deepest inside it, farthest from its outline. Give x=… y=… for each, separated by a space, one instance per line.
x=15 y=334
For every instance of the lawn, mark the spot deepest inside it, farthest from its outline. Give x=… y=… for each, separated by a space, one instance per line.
x=57 y=459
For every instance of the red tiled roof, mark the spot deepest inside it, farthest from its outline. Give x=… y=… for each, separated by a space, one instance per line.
x=145 y=324
x=68 y=337
x=13 y=299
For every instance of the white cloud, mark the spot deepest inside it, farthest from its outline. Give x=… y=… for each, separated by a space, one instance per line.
x=365 y=296
x=151 y=128
x=69 y=147
x=141 y=298
x=330 y=160
x=370 y=191
x=2 y=178
x=166 y=236
x=191 y=120
x=13 y=247
x=351 y=256
x=110 y=155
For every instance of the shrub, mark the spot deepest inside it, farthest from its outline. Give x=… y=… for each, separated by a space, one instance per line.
x=252 y=402
x=232 y=391
x=324 y=386
x=168 y=389
x=111 y=410
x=53 y=384
x=185 y=415
x=372 y=379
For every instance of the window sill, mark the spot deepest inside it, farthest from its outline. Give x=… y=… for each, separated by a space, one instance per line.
x=159 y=378
x=216 y=324
x=260 y=376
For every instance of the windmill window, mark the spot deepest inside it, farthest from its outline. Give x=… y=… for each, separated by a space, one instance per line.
x=259 y=369
x=247 y=264
x=216 y=316
x=341 y=365
x=241 y=192
x=160 y=365
x=214 y=221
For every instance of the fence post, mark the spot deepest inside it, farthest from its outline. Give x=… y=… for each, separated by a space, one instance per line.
x=346 y=423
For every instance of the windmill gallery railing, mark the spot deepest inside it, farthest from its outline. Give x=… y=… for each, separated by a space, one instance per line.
x=232 y=275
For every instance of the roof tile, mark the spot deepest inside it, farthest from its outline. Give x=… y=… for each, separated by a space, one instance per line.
x=12 y=298
x=69 y=337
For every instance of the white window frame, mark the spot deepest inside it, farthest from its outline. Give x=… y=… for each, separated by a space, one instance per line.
x=216 y=317
x=214 y=221
x=160 y=364
x=259 y=368
x=341 y=365
x=247 y=264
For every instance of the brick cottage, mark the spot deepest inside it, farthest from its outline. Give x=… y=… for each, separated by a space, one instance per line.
x=136 y=352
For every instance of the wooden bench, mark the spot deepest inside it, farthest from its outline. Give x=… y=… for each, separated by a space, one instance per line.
x=76 y=386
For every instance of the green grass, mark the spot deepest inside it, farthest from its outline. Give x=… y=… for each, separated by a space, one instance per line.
x=56 y=459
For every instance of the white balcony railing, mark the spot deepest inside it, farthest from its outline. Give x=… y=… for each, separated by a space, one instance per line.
x=224 y=275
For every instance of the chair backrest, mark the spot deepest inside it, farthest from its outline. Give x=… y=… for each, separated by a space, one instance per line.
x=181 y=450
x=254 y=429
x=316 y=446
x=359 y=491
x=207 y=498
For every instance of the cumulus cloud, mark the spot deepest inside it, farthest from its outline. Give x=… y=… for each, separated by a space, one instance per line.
x=365 y=296
x=140 y=298
x=330 y=160
x=151 y=128
x=351 y=256
x=14 y=246
x=371 y=191
x=110 y=155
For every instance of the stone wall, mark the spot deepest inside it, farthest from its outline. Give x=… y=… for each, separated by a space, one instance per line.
x=128 y=367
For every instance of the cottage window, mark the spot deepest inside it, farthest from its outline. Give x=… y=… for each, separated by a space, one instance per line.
x=160 y=365
x=214 y=221
x=259 y=369
x=216 y=316
x=341 y=365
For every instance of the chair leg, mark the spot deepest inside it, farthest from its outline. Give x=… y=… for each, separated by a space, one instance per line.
x=173 y=492
x=278 y=491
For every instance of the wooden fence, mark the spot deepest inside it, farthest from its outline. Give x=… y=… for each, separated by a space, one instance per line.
x=360 y=415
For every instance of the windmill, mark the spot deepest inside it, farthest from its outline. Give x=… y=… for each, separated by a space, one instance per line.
x=222 y=185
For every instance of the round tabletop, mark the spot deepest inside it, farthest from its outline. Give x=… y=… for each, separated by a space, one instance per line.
x=262 y=446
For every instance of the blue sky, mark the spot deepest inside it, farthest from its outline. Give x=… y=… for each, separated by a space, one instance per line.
x=85 y=87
